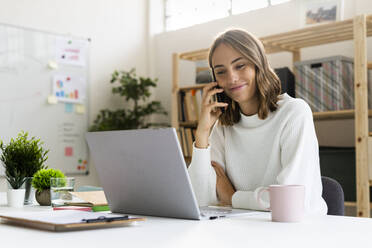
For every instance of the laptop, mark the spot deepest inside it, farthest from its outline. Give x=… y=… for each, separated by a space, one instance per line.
x=143 y=172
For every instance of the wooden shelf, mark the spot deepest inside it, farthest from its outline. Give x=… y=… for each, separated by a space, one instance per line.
x=192 y=87
x=188 y=123
x=353 y=204
x=311 y=36
x=337 y=115
x=293 y=41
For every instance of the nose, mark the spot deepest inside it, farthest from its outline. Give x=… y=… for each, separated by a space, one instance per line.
x=232 y=77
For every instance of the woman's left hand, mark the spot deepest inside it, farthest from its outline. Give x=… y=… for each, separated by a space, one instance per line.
x=225 y=189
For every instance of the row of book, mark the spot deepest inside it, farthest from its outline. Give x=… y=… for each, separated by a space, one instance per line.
x=186 y=136
x=189 y=105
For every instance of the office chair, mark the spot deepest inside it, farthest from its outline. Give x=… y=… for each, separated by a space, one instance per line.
x=333 y=196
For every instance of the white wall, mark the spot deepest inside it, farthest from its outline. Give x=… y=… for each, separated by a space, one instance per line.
x=118 y=29
x=263 y=22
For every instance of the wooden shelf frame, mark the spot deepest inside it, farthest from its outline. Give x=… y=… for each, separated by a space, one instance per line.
x=357 y=30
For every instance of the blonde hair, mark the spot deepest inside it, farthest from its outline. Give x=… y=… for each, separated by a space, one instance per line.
x=267 y=82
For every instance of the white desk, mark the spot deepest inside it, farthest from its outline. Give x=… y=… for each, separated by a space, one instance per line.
x=250 y=231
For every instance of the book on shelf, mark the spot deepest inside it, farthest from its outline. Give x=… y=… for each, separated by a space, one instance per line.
x=189 y=140
x=180 y=139
x=195 y=104
x=189 y=102
x=184 y=142
x=181 y=106
x=190 y=108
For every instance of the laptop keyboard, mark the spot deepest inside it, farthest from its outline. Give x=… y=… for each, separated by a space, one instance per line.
x=212 y=211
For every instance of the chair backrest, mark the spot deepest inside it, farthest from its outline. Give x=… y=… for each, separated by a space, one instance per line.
x=333 y=196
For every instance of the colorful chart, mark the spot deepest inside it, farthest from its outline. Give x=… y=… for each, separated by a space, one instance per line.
x=69 y=89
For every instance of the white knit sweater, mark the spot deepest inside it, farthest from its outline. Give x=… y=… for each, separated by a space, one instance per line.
x=282 y=149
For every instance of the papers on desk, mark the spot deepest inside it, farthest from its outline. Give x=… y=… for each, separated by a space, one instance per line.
x=66 y=219
x=96 y=200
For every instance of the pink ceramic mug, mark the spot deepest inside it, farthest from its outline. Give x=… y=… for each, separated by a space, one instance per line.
x=286 y=202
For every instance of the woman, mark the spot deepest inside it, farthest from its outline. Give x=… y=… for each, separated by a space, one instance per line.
x=260 y=138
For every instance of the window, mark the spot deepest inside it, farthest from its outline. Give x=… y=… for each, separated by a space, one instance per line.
x=180 y=14
x=241 y=6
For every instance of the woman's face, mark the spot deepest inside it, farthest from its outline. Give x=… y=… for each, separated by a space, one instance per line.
x=235 y=74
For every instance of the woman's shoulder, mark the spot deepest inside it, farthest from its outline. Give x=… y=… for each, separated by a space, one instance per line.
x=293 y=106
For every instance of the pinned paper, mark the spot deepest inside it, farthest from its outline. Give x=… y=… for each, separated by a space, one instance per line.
x=52 y=65
x=71 y=51
x=69 y=151
x=69 y=107
x=52 y=99
x=69 y=89
x=80 y=108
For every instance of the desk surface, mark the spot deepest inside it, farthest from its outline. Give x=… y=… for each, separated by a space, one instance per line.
x=249 y=231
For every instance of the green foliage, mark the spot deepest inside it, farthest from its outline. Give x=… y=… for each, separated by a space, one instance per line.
x=41 y=179
x=134 y=89
x=21 y=158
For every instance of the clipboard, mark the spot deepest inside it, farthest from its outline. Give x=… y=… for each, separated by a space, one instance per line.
x=67 y=220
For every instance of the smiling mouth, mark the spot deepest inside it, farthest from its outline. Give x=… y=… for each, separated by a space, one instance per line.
x=238 y=87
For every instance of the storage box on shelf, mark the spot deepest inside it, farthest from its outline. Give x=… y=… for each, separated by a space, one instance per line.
x=326 y=84
x=357 y=30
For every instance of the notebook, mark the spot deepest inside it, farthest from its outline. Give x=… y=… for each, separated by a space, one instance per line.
x=143 y=172
x=94 y=199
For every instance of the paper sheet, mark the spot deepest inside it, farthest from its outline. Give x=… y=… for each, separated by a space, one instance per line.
x=67 y=88
x=71 y=51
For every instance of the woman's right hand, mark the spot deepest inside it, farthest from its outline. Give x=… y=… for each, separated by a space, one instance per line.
x=210 y=111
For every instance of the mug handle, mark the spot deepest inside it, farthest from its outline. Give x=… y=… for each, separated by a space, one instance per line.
x=259 y=199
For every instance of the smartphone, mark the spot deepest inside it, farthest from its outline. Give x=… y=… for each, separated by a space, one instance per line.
x=221 y=97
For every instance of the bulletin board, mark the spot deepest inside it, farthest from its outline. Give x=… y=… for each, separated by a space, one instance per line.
x=43 y=91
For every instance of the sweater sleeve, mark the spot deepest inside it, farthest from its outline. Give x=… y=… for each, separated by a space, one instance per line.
x=202 y=175
x=300 y=159
x=299 y=163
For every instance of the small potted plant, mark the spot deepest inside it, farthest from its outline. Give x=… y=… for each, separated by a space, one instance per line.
x=41 y=182
x=21 y=158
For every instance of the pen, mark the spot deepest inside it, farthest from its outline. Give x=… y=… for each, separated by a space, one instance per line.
x=105 y=219
x=215 y=217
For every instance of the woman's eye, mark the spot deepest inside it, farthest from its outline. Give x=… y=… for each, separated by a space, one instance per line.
x=219 y=72
x=240 y=66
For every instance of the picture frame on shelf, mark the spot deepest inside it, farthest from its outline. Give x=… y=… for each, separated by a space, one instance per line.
x=315 y=12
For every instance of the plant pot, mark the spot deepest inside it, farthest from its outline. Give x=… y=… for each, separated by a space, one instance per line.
x=30 y=192
x=16 y=197
x=43 y=197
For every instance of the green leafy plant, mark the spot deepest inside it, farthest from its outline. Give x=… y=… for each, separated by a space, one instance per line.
x=41 y=179
x=136 y=91
x=21 y=158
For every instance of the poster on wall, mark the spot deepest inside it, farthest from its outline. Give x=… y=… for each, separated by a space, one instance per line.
x=320 y=12
x=71 y=51
x=69 y=88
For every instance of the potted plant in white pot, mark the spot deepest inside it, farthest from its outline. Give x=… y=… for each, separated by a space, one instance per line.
x=19 y=158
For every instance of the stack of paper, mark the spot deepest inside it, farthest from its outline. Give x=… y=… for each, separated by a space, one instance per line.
x=94 y=199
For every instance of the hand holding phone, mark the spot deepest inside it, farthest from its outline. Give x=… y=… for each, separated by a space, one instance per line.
x=209 y=114
x=221 y=97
